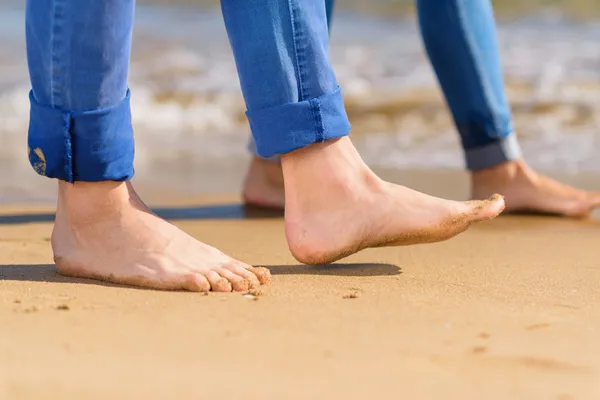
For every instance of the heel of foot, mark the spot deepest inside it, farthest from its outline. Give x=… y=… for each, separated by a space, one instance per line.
x=313 y=255
x=67 y=266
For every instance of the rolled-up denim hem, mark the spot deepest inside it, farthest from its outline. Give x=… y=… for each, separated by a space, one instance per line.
x=88 y=146
x=496 y=153
x=283 y=129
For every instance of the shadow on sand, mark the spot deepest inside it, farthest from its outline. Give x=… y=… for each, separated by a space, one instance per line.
x=47 y=272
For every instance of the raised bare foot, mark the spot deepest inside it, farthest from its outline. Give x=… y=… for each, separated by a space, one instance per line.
x=336 y=206
x=525 y=190
x=104 y=231
x=263 y=186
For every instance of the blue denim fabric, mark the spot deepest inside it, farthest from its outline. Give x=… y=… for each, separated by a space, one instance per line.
x=78 y=55
x=329 y=7
x=460 y=38
x=281 y=49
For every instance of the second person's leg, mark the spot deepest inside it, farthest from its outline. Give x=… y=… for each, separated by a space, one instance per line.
x=334 y=204
x=460 y=38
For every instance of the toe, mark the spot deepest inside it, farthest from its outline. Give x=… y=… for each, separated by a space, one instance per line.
x=238 y=284
x=263 y=274
x=243 y=270
x=594 y=199
x=486 y=209
x=197 y=283
x=217 y=282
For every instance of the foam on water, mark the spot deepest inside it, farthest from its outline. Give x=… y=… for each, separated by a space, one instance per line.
x=186 y=97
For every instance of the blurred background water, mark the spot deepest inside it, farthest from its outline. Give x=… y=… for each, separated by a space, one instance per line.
x=189 y=115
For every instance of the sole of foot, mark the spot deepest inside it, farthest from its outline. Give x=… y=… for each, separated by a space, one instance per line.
x=104 y=231
x=336 y=206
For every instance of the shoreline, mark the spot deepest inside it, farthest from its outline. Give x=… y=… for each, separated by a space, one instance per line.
x=183 y=184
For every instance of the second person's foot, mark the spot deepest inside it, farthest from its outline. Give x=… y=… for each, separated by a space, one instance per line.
x=526 y=190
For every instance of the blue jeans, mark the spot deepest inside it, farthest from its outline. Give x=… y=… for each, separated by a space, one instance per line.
x=78 y=53
x=78 y=56
x=460 y=39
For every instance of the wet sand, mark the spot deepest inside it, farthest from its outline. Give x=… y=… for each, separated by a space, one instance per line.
x=508 y=310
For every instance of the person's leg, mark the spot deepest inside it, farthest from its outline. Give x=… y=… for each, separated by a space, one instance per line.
x=334 y=205
x=80 y=133
x=460 y=38
x=263 y=184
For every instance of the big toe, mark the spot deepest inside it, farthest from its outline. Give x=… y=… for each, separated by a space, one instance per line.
x=583 y=207
x=594 y=200
x=263 y=274
x=481 y=210
x=580 y=206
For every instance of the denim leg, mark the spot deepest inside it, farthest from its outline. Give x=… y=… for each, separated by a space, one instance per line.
x=329 y=7
x=460 y=38
x=78 y=56
x=281 y=48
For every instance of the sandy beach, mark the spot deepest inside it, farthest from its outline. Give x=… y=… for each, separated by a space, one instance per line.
x=508 y=310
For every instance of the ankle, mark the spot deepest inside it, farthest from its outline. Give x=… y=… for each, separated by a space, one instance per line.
x=84 y=201
x=330 y=161
x=324 y=175
x=341 y=148
x=501 y=174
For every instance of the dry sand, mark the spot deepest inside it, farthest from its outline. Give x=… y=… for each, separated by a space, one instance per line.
x=508 y=310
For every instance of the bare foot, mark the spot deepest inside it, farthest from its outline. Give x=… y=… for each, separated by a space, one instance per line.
x=528 y=191
x=336 y=206
x=104 y=231
x=263 y=186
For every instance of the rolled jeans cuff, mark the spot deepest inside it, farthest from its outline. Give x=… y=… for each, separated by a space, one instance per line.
x=283 y=129
x=88 y=146
x=495 y=153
